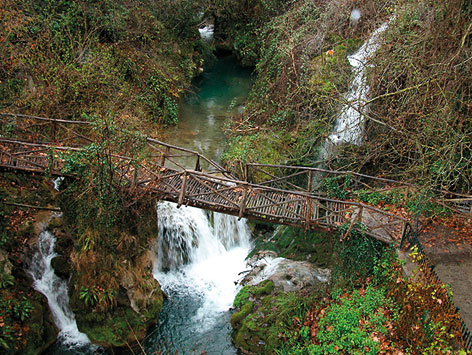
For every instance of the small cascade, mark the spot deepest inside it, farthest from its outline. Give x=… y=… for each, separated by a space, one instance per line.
x=207 y=32
x=199 y=256
x=349 y=125
x=55 y=290
x=57 y=182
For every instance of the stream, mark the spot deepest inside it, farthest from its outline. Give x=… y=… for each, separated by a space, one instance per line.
x=199 y=254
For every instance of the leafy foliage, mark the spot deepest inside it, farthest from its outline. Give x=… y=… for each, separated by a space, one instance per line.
x=352 y=324
x=357 y=255
x=63 y=58
x=6 y=280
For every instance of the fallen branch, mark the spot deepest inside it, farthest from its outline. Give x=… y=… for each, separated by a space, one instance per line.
x=30 y=206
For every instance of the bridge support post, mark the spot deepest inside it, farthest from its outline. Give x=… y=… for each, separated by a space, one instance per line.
x=197 y=164
x=163 y=159
x=182 y=190
x=246 y=172
x=308 y=202
x=242 y=205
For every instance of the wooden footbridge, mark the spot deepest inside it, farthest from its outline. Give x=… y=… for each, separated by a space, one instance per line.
x=297 y=196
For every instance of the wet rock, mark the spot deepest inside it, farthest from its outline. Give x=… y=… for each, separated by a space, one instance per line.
x=5 y=264
x=285 y=273
x=61 y=266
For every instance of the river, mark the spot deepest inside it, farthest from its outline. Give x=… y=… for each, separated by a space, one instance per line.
x=200 y=254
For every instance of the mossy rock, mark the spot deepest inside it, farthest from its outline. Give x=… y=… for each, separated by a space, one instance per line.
x=42 y=331
x=119 y=326
x=61 y=266
x=266 y=316
x=251 y=323
x=300 y=245
x=55 y=222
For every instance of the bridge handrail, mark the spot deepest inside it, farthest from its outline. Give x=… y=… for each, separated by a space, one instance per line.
x=453 y=203
x=199 y=157
x=298 y=193
x=228 y=180
x=460 y=203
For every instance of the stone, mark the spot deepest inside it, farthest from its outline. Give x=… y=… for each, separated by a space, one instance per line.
x=5 y=264
x=61 y=266
x=285 y=273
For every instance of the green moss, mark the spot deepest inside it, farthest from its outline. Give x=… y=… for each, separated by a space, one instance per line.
x=116 y=328
x=259 y=326
x=298 y=244
x=242 y=296
x=264 y=288
x=238 y=317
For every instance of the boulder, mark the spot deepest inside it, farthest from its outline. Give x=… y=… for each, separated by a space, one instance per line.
x=61 y=266
x=5 y=264
x=285 y=273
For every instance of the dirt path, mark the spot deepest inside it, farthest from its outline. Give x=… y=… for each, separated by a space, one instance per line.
x=451 y=253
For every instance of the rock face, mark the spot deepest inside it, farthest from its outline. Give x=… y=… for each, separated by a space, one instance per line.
x=285 y=273
x=138 y=304
x=5 y=264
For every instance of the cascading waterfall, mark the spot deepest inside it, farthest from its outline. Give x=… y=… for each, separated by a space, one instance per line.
x=55 y=290
x=349 y=125
x=199 y=256
x=206 y=33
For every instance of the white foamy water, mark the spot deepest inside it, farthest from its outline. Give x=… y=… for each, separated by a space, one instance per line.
x=350 y=123
x=57 y=182
x=206 y=33
x=55 y=290
x=201 y=258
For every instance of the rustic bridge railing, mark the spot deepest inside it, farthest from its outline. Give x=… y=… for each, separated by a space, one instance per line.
x=73 y=134
x=347 y=184
x=300 y=196
x=214 y=191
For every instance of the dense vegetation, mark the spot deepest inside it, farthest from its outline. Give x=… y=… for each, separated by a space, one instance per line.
x=370 y=307
x=25 y=325
x=122 y=65
x=417 y=125
x=65 y=58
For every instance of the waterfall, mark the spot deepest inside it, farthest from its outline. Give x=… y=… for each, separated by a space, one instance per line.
x=206 y=33
x=349 y=125
x=57 y=182
x=201 y=254
x=55 y=290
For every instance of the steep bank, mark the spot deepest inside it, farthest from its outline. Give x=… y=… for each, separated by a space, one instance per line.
x=113 y=293
x=419 y=94
x=110 y=317
x=26 y=322
x=81 y=59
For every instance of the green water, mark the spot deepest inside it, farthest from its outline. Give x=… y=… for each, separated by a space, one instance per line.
x=218 y=94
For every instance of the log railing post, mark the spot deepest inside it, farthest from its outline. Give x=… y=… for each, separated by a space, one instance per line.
x=163 y=159
x=308 y=202
x=197 y=164
x=310 y=181
x=246 y=172
x=182 y=190
x=242 y=205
